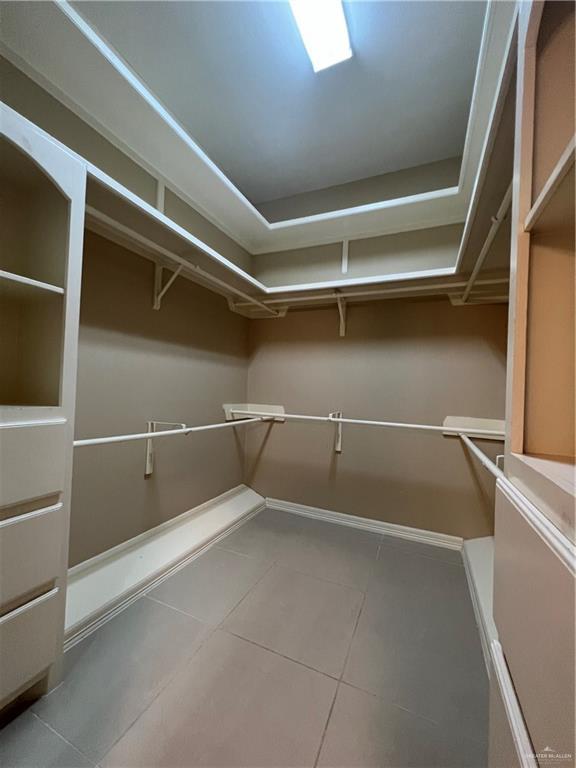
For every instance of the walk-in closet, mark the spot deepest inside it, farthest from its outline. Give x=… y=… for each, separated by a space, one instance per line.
x=287 y=384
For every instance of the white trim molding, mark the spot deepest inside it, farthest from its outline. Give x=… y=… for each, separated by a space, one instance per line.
x=366 y=524
x=478 y=557
x=522 y=743
x=99 y=588
x=560 y=544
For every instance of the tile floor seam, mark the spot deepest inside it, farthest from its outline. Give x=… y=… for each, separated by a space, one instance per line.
x=61 y=736
x=178 y=610
x=160 y=690
x=356 y=623
x=267 y=571
x=326 y=724
x=320 y=578
x=281 y=655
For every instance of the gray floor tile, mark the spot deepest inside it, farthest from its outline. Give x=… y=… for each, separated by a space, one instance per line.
x=307 y=619
x=426 y=550
x=234 y=704
x=28 y=743
x=417 y=645
x=113 y=675
x=264 y=535
x=367 y=732
x=334 y=552
x=212 y=585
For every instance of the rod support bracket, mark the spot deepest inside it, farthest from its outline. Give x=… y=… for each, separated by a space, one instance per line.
x=338 y=432
x=159 y=289
x=342 y=313
x=151 y=427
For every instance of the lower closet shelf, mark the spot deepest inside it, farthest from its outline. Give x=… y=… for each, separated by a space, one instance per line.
x=105 y=584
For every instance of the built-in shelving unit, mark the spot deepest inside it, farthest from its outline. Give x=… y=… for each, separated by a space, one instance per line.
x=549 y=375
x=34 y=219
x=42 y=193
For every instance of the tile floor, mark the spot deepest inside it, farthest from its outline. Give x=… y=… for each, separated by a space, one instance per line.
x=293 y=642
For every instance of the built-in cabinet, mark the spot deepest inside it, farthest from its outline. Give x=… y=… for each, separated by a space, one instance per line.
x=42 y=198
x=534 y=555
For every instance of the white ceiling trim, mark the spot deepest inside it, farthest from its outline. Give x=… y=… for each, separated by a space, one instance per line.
x=144 y=124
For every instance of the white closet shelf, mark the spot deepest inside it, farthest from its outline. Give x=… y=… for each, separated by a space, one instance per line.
x=492 y=187
x=15 y=285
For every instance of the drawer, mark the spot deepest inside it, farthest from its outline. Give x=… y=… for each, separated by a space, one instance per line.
x=28 y=638
x=32 y=460
x=534 y=611
x=30 y=552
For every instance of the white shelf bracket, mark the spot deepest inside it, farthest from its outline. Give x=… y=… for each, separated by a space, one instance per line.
x=160 y=290
x=342 y=312
x=160 y=195
x=345 y=247
x=151 y=427
x=338 y=432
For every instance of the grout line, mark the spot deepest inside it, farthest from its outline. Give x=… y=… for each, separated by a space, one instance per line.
x=178 y=610
x=340 y=680
x=241 y=600
x=322 y=738
x=391 y=703
x=70 y=744
x=170 y=679
x=281 y=655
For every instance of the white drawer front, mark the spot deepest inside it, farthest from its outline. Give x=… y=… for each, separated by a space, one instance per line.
x=30 y=552
x=535 y=612
x=32 y=462
x=27 y=642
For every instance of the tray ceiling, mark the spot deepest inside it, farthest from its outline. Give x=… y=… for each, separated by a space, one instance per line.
x=237 y=78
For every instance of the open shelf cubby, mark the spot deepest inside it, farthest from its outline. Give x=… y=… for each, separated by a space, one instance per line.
x=34 y=221
x=549 y=413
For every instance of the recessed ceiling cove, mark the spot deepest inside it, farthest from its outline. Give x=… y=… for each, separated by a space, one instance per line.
x=238 y=79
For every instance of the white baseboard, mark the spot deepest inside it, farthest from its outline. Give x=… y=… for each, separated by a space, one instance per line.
x=101 y=587
x=478 y=557
x=366 y=524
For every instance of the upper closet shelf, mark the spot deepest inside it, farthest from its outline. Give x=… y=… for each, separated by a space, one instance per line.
x=115 y=212
x=493 y=179
x=20 y=286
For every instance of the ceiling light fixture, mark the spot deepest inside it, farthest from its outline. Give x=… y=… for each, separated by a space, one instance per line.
x=322 y=27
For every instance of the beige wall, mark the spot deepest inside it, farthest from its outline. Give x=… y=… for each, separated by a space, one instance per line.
x=136 y=364
x=422 y=249
x=385 y=186
x=413 y=361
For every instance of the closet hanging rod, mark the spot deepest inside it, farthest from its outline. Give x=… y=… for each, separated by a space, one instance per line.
x=164 y=433
x=491 y=433
x=482 y=458
x=379 y=293
x=490 y=237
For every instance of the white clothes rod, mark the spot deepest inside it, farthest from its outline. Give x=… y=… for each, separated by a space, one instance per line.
x=164 y=433
x=495 y=434
x=483 y=459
